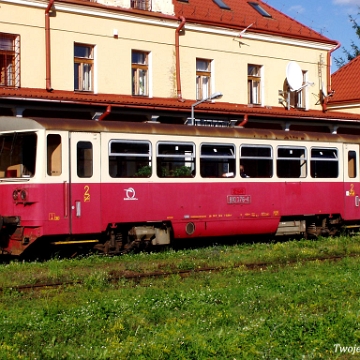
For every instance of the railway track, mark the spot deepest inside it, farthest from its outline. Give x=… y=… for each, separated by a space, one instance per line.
x=114 y=276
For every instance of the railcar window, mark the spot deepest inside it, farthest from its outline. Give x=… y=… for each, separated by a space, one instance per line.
x=352 y=164
x=217 y=160
x=291 y=162
x=324 y=163
x=54 y=155
x=256 y=161
x=129 y=159
x=84 y=159
x=175 y=160
x=18 y=155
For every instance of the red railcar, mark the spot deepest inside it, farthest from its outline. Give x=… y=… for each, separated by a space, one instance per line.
x=119 y=185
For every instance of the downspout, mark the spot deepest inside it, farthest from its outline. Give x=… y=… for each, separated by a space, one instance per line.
x=246 y=117
x=105 y=113
x=177 y=54
x=47 y=45
x=328 y=77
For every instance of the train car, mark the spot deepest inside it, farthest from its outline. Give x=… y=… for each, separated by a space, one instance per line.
x=118 y=185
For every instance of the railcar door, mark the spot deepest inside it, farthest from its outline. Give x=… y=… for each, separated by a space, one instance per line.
x=351 y=182
x=85 y=183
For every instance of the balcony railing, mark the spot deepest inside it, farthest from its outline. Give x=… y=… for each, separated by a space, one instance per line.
x=141 y=4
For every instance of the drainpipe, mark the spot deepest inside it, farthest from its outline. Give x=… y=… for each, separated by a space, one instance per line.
x=328 y=76
x=105 y=113
x=246 y=117
x=177 y=54
x=47 y=45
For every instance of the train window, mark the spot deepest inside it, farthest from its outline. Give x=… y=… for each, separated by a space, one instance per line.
x=291 y=162
x=54 y=154
x=324 y=163
x=217 y=160
x=352 y=164
x=256 y=161
x=18 y=155
x=129 y=159
x=84 y=159
x=175 y=160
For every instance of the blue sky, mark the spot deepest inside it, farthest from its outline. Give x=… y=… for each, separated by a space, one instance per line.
x=328 y=17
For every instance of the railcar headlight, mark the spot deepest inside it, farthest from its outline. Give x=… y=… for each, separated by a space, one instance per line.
x=23 y=195
x=15 y=195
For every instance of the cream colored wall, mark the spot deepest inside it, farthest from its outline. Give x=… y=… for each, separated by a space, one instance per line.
x=231 y=60
x=29 y=24
x=113 y=55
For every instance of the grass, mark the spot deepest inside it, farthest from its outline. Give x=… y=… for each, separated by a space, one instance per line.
x=80 y=269
x=299 y=311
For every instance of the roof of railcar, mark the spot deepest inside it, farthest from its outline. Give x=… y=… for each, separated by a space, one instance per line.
x=8 y=123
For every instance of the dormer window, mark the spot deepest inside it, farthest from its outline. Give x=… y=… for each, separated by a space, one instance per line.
x=221 y=4
x=260 y=9
x=141 y=4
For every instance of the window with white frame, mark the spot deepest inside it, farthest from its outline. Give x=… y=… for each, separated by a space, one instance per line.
x=324 y=163
x=9 y=60
x=203 y=79
x=129 y=158
x=217 y=160
x=140 y=73
x=141 y=4
x=256 y=161
x=254 y=84
x=83 y=67
x=291 y=162
x=175 y=159
x=298 y=98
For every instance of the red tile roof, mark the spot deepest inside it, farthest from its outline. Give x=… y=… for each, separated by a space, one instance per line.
x=170 y=104
x=345 y=83
x=240 y=15
x=243 y=14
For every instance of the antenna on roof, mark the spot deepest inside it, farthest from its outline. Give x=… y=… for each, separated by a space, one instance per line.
x=243 y=31
x=240 y=36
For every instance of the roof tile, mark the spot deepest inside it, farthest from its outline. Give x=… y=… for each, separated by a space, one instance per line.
x=345 y=84
x=242 y=14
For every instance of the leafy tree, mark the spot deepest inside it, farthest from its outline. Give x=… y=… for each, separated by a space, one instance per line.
x=355 y=50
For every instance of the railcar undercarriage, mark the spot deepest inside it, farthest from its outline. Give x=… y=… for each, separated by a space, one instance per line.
x=122 y=240
x=311 y=227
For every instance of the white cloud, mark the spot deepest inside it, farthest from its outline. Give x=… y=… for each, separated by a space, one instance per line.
x=346 y=2
x=299 y=9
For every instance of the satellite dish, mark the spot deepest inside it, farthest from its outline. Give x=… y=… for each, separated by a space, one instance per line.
x=294 y=75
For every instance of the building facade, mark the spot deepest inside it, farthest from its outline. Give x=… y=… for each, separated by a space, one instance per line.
x=160 y=60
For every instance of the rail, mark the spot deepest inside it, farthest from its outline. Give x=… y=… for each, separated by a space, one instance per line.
x=114 y=276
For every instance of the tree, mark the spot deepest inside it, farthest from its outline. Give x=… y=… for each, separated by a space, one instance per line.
x=355 y=50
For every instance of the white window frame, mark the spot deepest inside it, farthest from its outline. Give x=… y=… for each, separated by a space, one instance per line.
x=200 y=93
x=147 y=65
x=90 y=83
x=253 y=99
